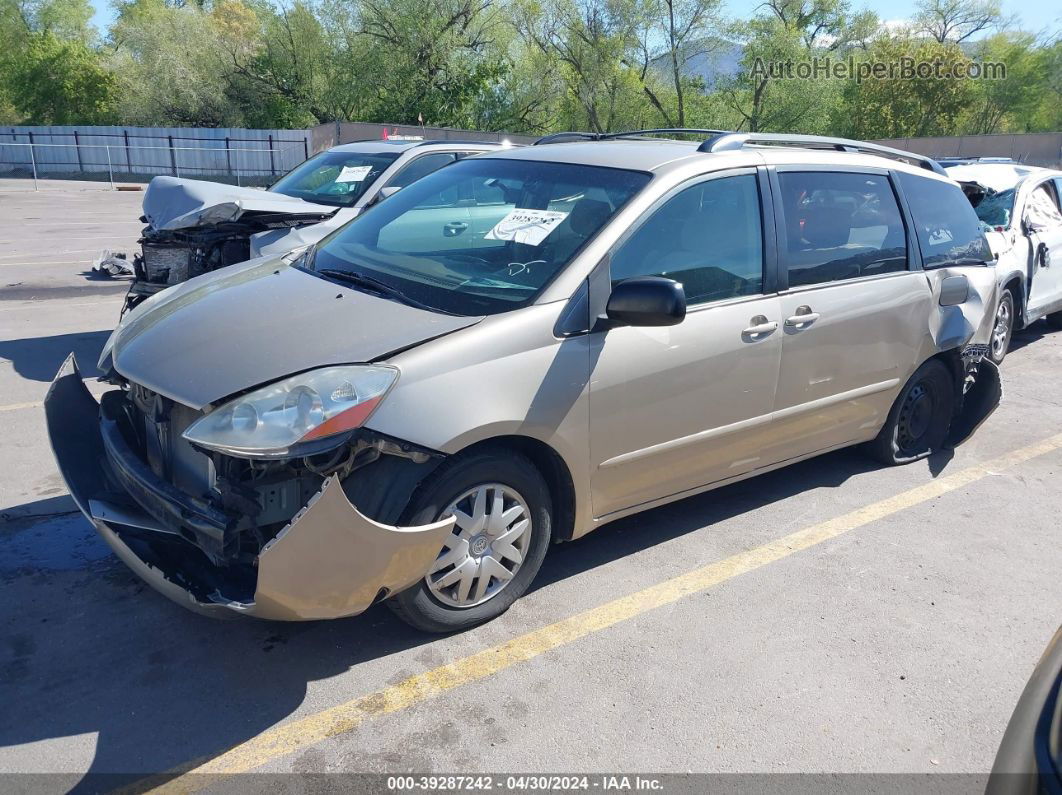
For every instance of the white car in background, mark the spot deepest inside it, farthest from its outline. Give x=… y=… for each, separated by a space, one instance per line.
x=194 y=226
x=1021 y=214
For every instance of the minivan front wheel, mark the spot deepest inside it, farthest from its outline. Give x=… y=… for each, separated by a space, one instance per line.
x=1003 y=328
x=918 y=422
x=503 y=510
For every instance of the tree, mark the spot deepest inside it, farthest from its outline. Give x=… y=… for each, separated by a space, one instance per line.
x=170 y=66
x=765 y=100
x=433 y=58
x=899 y=106
x=1009 y=103
x=590 y=42
x=956 y=20
x=60 y=82
x=676 y=32
x=823 y=24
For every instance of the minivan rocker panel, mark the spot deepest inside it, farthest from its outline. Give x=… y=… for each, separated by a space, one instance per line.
x=561 y=412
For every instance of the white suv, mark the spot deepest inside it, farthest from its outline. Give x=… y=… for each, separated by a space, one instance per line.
x=194 y=226
x=1020 y=212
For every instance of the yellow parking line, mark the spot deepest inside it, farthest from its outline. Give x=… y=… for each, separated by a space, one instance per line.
x=16 y=406
x=312 y=729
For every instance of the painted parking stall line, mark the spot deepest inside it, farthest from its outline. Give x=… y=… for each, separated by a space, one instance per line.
x=307 y=731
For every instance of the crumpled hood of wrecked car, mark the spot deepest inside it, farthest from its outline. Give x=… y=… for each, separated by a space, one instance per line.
x=175 y=203
x=240 y=327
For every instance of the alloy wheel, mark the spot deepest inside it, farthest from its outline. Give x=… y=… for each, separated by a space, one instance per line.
x=1001 y=330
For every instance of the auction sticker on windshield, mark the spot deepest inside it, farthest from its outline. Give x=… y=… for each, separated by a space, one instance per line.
x=353 y=173
x=526 y=226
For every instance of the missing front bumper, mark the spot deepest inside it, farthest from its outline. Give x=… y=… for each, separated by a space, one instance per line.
x=329 y=561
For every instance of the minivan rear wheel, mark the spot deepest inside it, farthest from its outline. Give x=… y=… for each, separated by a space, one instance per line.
x=503 y=530
x=919 y=420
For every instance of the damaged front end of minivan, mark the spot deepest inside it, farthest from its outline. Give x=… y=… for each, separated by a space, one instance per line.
x=312 y=536
x=195 y=227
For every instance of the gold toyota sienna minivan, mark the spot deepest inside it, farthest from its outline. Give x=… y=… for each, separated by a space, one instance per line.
x=517 y=349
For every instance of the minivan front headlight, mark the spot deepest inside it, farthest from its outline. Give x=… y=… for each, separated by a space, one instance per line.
x=273 y=420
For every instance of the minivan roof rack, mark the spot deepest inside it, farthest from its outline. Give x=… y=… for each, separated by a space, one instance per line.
x=727 y=142
x=589 y=136
x=561 y=136
x=425 y=142
x=459 y=141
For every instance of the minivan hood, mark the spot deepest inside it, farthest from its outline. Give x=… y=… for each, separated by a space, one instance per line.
x=175 y=203
x=250 y=324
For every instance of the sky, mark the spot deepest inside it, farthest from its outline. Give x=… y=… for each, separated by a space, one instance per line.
x=1034 y=15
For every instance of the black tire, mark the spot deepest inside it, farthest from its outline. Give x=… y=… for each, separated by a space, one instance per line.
x=417 y=605
x=1003 y=328
x=1054 y=320
x=919 y=420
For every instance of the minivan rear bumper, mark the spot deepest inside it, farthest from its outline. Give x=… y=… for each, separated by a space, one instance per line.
x=329 y=561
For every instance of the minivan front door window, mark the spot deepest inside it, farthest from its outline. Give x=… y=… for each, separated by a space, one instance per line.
x=708 y=237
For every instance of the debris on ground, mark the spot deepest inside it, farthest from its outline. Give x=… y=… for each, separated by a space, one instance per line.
x=112 y=265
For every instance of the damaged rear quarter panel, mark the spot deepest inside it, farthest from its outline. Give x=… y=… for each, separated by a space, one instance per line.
x=968 y=322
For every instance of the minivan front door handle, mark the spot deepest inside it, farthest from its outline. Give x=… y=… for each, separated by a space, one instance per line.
x=454 y=228
x=760 y=325
x=803 y=317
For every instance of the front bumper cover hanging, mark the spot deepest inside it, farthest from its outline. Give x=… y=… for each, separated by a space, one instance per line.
x=329 y=561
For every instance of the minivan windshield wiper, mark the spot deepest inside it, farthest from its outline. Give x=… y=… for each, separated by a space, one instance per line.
x=375 y=285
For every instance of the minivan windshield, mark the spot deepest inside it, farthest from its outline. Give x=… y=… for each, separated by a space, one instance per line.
x=479 y=237
x=337 y=178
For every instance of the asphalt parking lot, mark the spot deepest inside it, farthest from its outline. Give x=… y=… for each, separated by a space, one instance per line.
x=832 y=617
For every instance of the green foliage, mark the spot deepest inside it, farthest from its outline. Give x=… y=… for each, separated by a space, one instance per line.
x=522 y=65
x=1009 y=104
x=898 y=106
x=59 y=82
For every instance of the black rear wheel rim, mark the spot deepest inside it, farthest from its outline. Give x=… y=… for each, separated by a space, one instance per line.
x=915 y=422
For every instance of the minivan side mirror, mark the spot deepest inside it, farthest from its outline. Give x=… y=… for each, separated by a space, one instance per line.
x=646 y=301
x=382 y=194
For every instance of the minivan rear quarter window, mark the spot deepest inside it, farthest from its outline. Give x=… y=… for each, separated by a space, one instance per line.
x=840 y=225
x=948 y=229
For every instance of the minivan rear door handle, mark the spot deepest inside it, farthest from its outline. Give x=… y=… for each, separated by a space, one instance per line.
x=803 y=317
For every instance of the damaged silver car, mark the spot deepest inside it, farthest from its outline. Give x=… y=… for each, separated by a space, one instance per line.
x=1021 y=213
x=194 y=227
x=412 y=415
